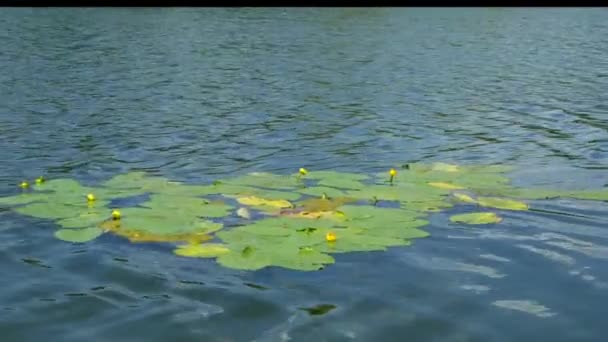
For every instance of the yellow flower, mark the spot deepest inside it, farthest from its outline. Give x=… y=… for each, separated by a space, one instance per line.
x=115 y=214
x=90 y=197
x=40 y=180
x=303 y=171
x=330 y=237
x=392 y=172
x=24 y=185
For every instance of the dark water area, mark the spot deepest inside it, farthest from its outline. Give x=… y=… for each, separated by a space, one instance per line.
x=197 y=94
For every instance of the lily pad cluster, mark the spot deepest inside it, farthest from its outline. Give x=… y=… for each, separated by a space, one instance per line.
x=295 y=221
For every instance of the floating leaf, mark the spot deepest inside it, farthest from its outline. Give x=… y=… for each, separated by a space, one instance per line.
x=476 y=218
x=206 y=250
x=190 y=206
x=445 y=167
x=464 y=198
x=78 y=235
x=164 y=222
x=321 y=204
x=501 y=203
x=320 y=191
x=24 y=198
x=84 y=219
x=50 y=210
x=251 y=258
x=256 y=201
x=297 y=238
x=447 y=186
x=265 y=180
x=342 y=180
x=320 y=309
x=405 y=192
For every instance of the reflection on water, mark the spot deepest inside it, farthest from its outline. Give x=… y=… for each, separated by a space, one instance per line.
x=193 y=94
x=527 y=306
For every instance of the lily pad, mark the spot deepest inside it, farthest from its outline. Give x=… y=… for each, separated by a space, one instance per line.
x=251 y=258
x=342 y=180
x=164 y=222
x=405 y=192
x=24 y=198
x=321 y=204
x=232 y=190
x=78 y=235
x=189 y=206
x=302 y=233
x=476 y=218
x=501 y=203
x=86 y=218
x=51 y=210
x=446 y=186
x=257 y=202
x=464 y=198
x=265 y=180
x=205 y=250
x=320 y=191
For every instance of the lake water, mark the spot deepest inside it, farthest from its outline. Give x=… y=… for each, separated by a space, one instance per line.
x=195 y=94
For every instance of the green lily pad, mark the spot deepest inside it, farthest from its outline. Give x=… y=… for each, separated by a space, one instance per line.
x=406 y=192
x=78 y=235
x=265 y=180
x=278 y=226
x=320 y=191
x=252 y=258
x=368 y=213
x=475 y=178
x=476 y=218
x=24 y=198
x=342 y=180
x=86 y=218
x=51 y=210
x=304 y=232
x=232 y=190
x=164 y=222
x=189 y=206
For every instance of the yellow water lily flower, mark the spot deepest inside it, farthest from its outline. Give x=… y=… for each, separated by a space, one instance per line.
x=90 y=197
x=115 y=214
x=24 y=185
x=303 y=171
x=40 y=180
x=392 y=173
x=331 y=237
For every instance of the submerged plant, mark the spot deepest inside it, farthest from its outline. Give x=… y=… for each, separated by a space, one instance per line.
x=261 y=219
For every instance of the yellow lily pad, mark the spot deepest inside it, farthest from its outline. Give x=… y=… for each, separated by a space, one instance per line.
x=256 y=201
x=464 y=198
x=476 y=218
x=502 y=203
x=446 y=186
x=205 y=250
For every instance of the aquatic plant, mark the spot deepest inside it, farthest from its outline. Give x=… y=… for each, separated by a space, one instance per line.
x=293 y=221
